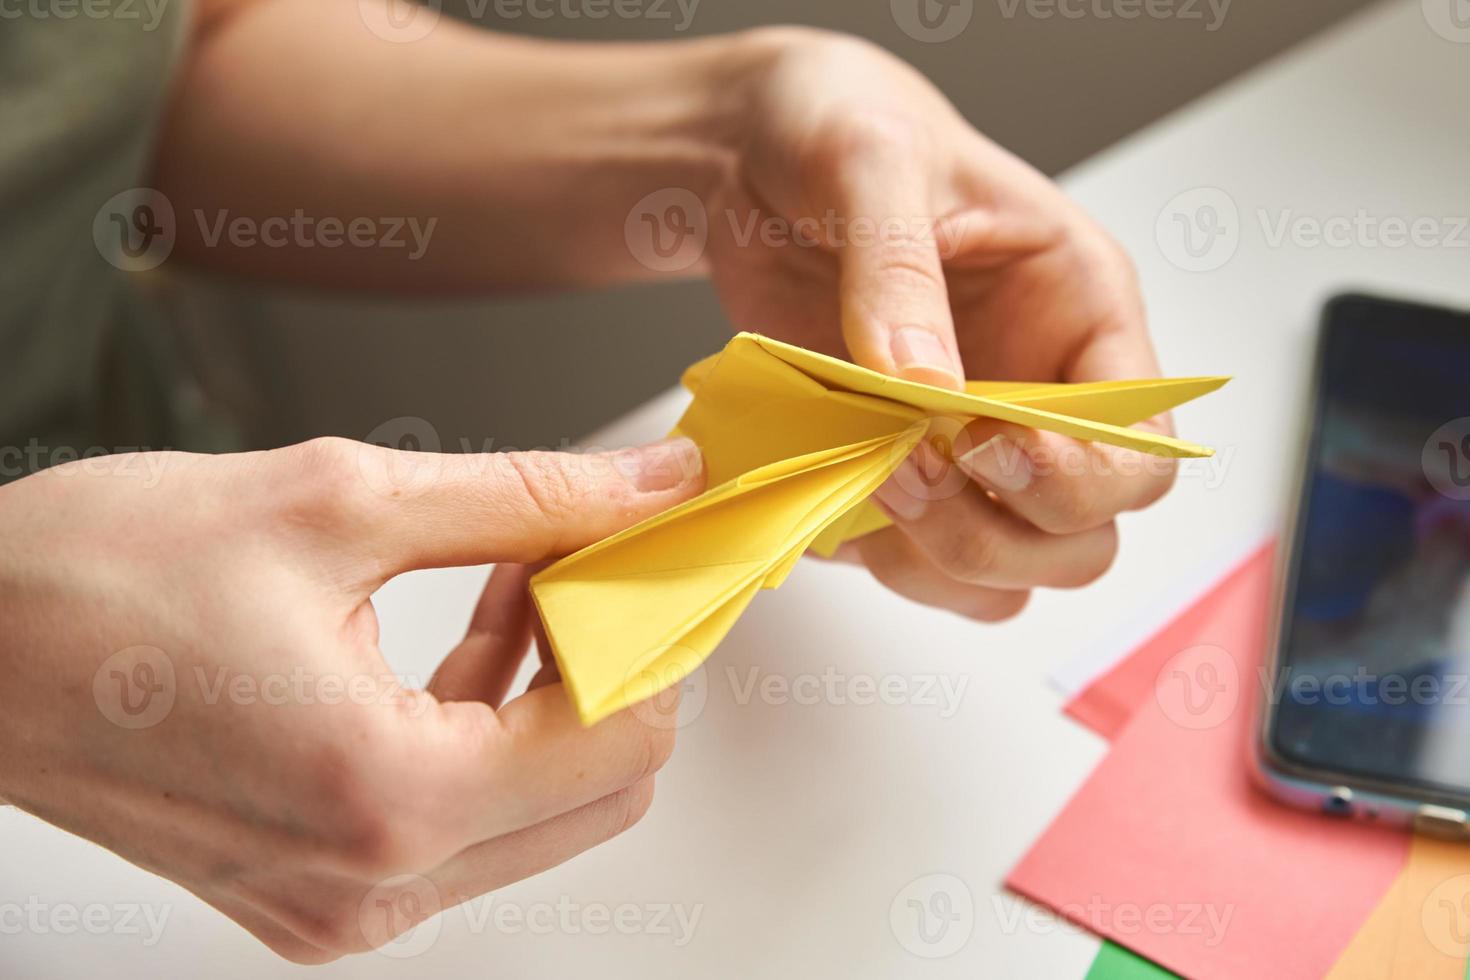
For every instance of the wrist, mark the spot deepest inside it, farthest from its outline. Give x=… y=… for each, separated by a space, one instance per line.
x=715 y=84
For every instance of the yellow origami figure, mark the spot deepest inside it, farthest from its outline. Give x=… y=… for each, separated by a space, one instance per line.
x=794 y=442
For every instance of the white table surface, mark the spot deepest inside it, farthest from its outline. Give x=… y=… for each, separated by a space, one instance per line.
x=792 y=829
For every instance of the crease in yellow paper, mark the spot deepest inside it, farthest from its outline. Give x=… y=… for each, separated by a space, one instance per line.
x=794 y=443
x=1420 y=930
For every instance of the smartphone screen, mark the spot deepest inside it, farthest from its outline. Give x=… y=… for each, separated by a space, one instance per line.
x=1374 y=657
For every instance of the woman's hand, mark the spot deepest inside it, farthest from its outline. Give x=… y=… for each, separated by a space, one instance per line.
x=864 y=215
x=193 y=678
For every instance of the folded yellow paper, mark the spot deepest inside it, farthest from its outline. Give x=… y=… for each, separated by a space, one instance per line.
x=793 y=442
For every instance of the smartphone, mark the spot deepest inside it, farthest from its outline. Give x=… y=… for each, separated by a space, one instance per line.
x=1366 y=711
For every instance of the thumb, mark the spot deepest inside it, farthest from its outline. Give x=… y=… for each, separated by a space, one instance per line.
x=474 y=509
x=895 y=304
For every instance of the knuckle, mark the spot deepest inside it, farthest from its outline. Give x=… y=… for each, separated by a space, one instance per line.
x=1070 y=509
x=550 y=486
x=1120 y=258
x=329 y=457
x=1102 y=551
x=377 y=845
x=659 y=748
x=969 y=557
x=1163 y=474
x=328 y=930
x=853 y=136
x=999 y=607
x=629 y=806
x=908 y=267
x=893 y=571
x=1099 y=250
x=324 y=479
x=649 y=749
x=365 y=829
x=859 y=133
x=298 y=951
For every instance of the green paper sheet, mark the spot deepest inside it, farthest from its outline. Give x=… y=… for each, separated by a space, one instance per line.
x=1116 y=963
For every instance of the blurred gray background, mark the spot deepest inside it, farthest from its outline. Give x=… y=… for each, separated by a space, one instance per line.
x=537 y=371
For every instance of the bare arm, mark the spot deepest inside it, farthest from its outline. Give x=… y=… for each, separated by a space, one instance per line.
x=523 y=156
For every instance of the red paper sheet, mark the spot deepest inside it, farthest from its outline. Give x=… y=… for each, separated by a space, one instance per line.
x=1107 y=704
x=1169 y=850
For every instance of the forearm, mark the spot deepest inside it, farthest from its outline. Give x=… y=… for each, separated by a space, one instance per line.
x=504 y=162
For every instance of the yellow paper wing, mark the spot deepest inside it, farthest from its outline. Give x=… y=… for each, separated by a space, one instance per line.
x=637 y=612
x=794 y=443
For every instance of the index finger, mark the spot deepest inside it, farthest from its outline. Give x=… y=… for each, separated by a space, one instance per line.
x=895 y=303
x=535 y=760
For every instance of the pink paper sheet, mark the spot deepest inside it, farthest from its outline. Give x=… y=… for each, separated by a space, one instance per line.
x=1169 y=850
x=1107 y=704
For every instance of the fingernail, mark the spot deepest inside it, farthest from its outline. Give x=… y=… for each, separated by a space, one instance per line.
x=661 y=466
x=921 y=356
x=998 y=463
x=896 y=493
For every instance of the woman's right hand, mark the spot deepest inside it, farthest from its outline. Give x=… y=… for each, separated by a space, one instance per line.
x=193 y=678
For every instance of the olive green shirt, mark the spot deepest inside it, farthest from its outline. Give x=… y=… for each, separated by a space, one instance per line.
x=82 y=86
